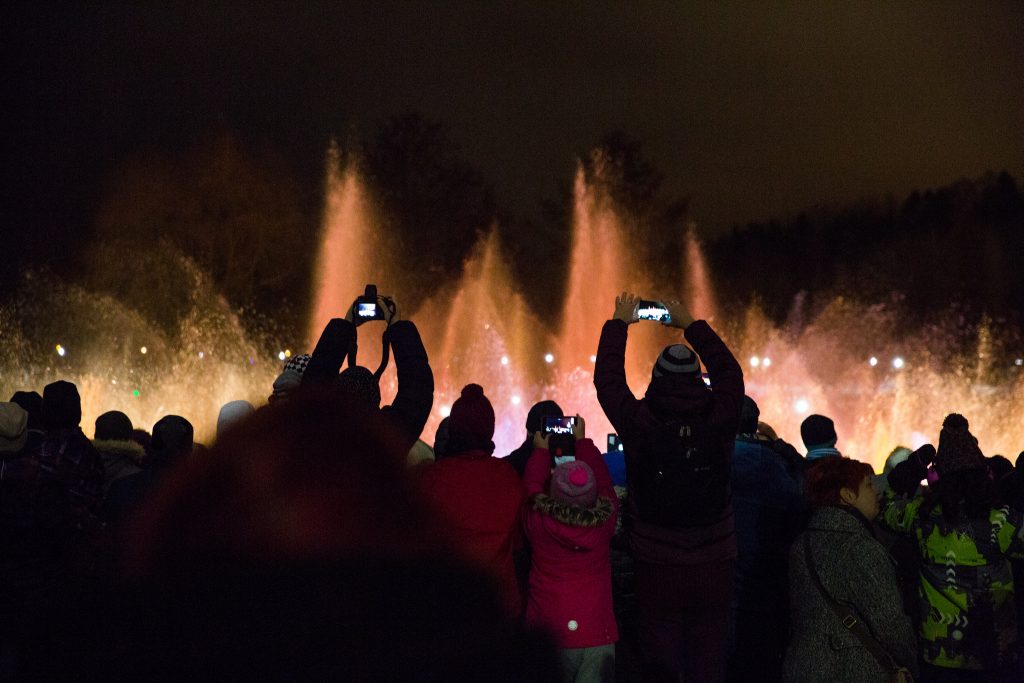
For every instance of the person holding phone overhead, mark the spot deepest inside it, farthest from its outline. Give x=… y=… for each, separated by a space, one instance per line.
x=678 y=443
x=569 y=519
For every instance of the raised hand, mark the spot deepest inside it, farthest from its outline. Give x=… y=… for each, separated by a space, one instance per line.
x=579 y=430
x=625 y=308
x=681 y=317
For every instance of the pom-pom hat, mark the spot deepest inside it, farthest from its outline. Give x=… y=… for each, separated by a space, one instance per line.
x=573 y=482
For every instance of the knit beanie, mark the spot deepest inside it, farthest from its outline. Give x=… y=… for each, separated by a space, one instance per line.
x=297 y=363
x=749 y=414
x=818 y=431
x=677 y=359
x=573 y=482
x=958 y=449
x=172 y=438
x=359 y=384
x=32 y=402
x=62 y=406
x=231 y=413
x=471 y=425
x=540 y=410
x=113 y=425
x=13 y=427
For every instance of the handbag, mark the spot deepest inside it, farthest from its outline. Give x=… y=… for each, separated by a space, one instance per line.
x=846 y=614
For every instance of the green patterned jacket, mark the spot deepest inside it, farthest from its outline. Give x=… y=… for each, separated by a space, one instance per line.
x=968 y=619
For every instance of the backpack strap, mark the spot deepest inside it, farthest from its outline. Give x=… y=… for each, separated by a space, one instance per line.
x=849 y=618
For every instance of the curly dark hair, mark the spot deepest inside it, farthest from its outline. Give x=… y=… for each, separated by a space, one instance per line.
x=828 y=476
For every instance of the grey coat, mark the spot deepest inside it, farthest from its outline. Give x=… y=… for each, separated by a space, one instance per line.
x=856 y=570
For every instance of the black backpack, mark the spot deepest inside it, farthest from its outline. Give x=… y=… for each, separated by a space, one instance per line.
x=679 y=475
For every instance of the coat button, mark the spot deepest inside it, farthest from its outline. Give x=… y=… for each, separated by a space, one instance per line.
x=958 y=635
x=573 y=625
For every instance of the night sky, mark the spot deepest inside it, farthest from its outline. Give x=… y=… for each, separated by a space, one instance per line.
x=752 y=109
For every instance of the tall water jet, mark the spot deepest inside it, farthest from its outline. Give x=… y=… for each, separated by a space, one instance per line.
x=700 y=292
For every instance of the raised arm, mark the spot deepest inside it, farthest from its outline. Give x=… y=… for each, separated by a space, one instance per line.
x=415 y=396
x=613 y=393
x=326 y=359
x=725 y=374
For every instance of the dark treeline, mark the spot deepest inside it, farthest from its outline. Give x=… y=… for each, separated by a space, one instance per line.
x=959 y=244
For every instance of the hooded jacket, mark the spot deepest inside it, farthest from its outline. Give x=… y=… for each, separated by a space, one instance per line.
x=667 y=398
x=120 y=459
x=570 y=591
x=478 y=497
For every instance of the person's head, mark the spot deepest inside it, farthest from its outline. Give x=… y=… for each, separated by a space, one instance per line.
x=958 y=449
x=818 y=431
x=360 y=386
x=1000 y=467
x=573 y=482
x=231 y=413
x=842 y=482
x=441 y=438
x=113 y=425
x=32 y=402
x=749 y=414
x=13 y=428
x=62 y=406
x=172 y=440
x=895 y=457
x=471 y=422
x=539 y=411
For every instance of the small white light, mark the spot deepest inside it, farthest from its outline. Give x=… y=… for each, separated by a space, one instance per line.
x=1019 y=362
x=621 y=448
x=113 y=381
x=549 y=358
x=516 y=400
x=202 y=355
x=754 y=361
x=766 y=362
x=280 y=355
x=446 y=411
x=898 y=363
x=143 y=350
x=504 y=360
x=593 y=359
x=872 y=361
x=802 y=405
x=60 y=350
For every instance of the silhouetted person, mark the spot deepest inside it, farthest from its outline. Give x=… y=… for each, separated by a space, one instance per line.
x=819 y=436
x=534 y=423
x=678 y=443
x=112 y=438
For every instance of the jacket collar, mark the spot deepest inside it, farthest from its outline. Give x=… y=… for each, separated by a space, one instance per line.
x=573 y=515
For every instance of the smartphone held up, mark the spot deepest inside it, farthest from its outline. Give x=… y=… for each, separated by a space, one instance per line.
x=653 y=310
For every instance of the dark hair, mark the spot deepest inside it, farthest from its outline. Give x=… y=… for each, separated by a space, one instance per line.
x=970 y=492
x=828 y=476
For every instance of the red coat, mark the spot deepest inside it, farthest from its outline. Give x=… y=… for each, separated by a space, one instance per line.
x=571 y=575
x=479 y=499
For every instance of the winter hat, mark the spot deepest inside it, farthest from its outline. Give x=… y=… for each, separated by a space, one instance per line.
x=958 y=449
x=359 y=383
x=540 y=410
x=32 y=402
x=297 y=363
x=113 y=425
x=62 y=406
x=172 y=438
x=573 y=482
x=748 y=416
x=232 y=412
x=818 y=431
x=13 y=427
x=472 y=421
x=898 y=455
x=441 y=438
x=678 y=359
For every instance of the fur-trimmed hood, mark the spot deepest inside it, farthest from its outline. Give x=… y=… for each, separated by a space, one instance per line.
x=573 y=515
x=110 y=449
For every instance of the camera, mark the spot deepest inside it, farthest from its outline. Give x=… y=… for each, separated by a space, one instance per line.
x=559 y=425
x=367 y=307
x=653 y=310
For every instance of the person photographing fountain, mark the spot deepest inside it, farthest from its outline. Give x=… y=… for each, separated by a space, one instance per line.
x=338 y=342
x=678 y=442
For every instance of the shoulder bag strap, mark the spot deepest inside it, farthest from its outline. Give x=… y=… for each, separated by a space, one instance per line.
x=849 y=618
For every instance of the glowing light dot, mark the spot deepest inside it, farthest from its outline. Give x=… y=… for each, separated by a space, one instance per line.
x=287 y=353
x=754 y=361
x=766 y=362
x=802 y=405
x=280 y=355
x=549 y=358
x=446 y=411
x=898 y=363
x=593 y=359
x=60 y=350
x=113 y=381
x=202 y=355
x=872 y=361
x=135 y=393
x=143 y=350
x=516 y=400
x=1019 y=362
x=504 y=360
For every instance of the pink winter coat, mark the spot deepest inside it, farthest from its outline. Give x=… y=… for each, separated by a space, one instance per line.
x=570 y=591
